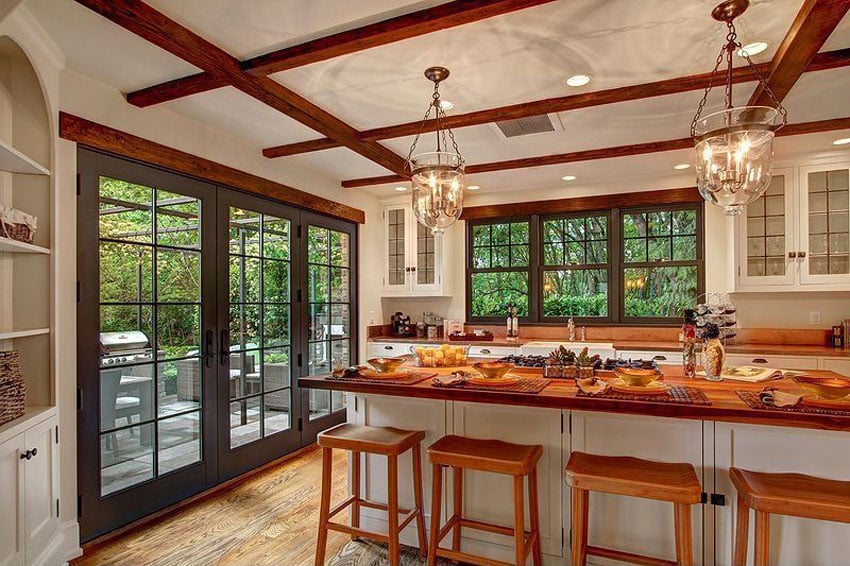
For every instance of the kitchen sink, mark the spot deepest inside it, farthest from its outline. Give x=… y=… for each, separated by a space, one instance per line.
x=541 y=348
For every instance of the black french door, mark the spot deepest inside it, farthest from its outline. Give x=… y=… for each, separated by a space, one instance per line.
x=198 y=310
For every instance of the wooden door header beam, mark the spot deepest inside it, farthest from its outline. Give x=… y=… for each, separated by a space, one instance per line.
x=605 y=153
x=157 y=28
x=421 y=22
x=103 y=138
x=815 y=22
x=822 y=61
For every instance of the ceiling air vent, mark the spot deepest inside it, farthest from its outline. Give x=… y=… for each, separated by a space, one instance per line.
x=526 y=126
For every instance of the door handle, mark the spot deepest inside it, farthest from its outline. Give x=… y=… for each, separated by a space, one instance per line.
x=209 y=355
x=224 y=347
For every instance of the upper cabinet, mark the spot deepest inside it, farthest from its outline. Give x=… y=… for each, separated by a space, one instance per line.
x=795 y=236
x=413 y=259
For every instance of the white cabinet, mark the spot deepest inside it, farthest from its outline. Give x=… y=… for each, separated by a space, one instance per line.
x=796 y=235
x=413 y=255
x=29 y=493
x=387 y=349
x=492 y=351
x=793 y=541
x=630 y=524
x=836 y=365
x=778 y=362
x=660 y=357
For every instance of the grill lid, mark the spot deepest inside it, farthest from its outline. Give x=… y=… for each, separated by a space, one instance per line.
x=113 y=342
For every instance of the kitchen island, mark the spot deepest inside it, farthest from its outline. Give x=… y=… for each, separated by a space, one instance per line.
x=711 y=437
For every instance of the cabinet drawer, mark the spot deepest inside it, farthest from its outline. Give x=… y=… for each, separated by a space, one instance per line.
x=838 y=366
x=660 y=357
x=780 y=362
x=492 y=351
x=387 y=349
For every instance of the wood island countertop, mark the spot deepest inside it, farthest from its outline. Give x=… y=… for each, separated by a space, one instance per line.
x=561 y=394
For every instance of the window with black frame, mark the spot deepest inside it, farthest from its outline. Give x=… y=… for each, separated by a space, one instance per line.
x=499 y=268
x=635 y=265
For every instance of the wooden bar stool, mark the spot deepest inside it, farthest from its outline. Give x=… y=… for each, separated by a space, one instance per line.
x=494 y=456
x=676 y=483
x=795 y=495
x=390 y=442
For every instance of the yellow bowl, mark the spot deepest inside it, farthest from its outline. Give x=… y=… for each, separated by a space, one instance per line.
x=637 y=377
x=825 y=387
x=493 y=370
x=386 y=365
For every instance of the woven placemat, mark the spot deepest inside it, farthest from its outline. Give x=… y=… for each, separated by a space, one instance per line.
x=524 y=385
x=751 y=398
x=676 y=394
x=412 y=378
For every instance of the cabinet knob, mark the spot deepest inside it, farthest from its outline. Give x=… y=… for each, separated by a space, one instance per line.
x=792 y=255
x=407 y=270
x=801 y=255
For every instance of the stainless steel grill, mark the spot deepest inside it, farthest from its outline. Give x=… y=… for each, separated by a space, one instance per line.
x=124 y=347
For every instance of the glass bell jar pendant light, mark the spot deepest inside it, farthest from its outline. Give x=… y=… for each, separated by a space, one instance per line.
x=436 y=177
x=734 y=147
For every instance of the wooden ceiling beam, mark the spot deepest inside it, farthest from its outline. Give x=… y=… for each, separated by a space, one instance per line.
x=815 y=22
x=605 y=153
x=421 y=22
x=822 y=61
x=157 y=28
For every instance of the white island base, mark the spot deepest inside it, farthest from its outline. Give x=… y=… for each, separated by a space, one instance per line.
x=628 y=524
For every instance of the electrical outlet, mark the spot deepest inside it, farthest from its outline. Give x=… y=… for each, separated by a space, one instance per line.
x=814 y=318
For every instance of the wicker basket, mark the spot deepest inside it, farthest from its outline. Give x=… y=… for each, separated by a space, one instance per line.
x=12 y=389
x=20 y=232
x=17 y=225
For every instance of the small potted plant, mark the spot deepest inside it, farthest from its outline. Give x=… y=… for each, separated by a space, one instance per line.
x=586 y=364
x=561 y=363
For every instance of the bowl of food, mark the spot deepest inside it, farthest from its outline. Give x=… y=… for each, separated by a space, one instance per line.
x=637 y=377
x=493 y=370
x=445 y=355
x=824 y=387
x=386 y=365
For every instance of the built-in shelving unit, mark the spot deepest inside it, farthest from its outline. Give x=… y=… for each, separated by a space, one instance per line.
x=9 y=246
x=13 y=161
x=11 y=334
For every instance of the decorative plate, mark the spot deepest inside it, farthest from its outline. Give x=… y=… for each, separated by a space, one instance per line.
x=653 y=388
x=508 y=379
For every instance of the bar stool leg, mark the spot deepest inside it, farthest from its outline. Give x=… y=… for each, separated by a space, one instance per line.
x=436 y=496
x=684 y=538
x=417 y=499
x=742 y=526
x=579 y=516
x=762 y=539
x=325 y=505
x=519 y=520
x=534 y=510
x=392 y=504
x=457 y=506
x=355 y=491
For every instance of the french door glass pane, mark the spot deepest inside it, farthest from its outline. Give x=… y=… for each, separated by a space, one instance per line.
x=329 y=296
x=150 y=283
x=260 y=313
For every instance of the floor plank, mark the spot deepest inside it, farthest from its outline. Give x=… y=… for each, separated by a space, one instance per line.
x=268 y=519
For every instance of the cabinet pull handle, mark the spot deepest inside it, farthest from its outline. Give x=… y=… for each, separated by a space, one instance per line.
x=407 y=270
x=801 y=255
x=388 y=347
x=758 y=361
x=792 y=255
x=485 y=351
x=660 y=358
x=412 y=269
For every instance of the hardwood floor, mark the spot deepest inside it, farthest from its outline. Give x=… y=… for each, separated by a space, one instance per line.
x=269 y=518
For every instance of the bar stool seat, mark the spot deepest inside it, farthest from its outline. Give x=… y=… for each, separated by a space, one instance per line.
x=622 y=475
x=796 y=495
x=495 y=456
x=384 y=441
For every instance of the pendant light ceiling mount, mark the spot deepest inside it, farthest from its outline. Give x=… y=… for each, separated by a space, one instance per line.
x=734 y=146
x=437 y=177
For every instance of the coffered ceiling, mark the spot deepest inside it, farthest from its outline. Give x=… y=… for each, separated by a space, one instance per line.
x=511 y=58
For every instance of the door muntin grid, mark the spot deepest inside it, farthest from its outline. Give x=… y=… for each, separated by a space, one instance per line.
x=150 y=280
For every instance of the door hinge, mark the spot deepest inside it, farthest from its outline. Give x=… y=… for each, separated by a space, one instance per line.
x=57 y=434
x=78 y=292
x=79 y=506
x=79 y=398
x=718 y=499
x=300 y=424
x=298 y=296
x=298 y=231
x=703 y=498
x=300 y=360
x=79 y=183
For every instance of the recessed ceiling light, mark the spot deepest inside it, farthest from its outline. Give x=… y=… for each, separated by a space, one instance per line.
x=681 y=166
x=569 y=177
x=446 y=104
x=841 y=141
x=401 y=189
x=753 y=48
x=473 y=187
x=578 y=80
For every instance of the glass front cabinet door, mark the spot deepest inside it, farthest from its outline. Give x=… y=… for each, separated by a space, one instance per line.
x=766 y=237
x=824 y=220
x=412 y=256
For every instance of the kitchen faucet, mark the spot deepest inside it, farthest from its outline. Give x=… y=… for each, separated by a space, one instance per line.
x=571 y=329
